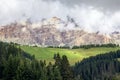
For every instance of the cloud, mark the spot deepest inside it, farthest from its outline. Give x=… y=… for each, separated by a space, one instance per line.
x=35 y=9
x=110 y=5
x=95 y=20
x=88 y=17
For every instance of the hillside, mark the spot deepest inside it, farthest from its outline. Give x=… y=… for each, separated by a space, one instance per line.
x=99 y=67
x=74 y=55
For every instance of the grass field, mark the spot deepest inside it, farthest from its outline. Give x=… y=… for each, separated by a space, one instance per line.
x=74 y=55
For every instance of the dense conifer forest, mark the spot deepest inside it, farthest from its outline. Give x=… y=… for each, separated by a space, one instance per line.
x=100 y=67
x=16 y=64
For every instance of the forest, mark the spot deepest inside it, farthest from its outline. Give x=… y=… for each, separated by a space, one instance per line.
x=85 y=46
x=16 y=64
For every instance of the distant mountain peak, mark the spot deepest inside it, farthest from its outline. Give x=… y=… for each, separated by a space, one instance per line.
x=54 y=32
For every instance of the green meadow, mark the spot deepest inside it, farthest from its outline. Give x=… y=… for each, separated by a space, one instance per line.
x=74 y=55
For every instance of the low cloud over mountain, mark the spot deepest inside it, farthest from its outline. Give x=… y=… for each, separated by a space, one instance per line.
x=104 y=18
x=54 y=32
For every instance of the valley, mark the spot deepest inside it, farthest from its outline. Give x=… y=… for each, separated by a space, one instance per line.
x=74 y=55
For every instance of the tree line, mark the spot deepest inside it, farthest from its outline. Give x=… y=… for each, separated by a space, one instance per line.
x=86 y=46
x=96 y=45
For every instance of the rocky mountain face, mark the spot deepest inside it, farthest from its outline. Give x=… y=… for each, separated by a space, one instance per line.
x=53 y=32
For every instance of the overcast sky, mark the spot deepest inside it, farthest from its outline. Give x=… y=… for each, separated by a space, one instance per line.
x=109 y=5
x=93 y=15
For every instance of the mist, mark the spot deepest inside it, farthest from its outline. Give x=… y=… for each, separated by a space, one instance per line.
x=89 y=17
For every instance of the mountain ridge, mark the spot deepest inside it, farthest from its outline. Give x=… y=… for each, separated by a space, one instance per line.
x=54 y=32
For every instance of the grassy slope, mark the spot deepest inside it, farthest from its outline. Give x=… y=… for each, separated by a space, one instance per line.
x=74 y=55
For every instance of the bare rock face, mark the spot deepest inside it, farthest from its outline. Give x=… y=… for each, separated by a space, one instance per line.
x=53 y=32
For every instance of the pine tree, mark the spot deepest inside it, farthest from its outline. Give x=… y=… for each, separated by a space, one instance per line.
x=10 y=68
x=57 y=60
x=57 y=74
x=24 y=72
x=50 y=73
x=66 y=71
x=43 y=71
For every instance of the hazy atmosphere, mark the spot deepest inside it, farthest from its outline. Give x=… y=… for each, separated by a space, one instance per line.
x=93 y=15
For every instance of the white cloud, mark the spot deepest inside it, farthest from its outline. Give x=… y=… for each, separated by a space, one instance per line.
x=87 y=17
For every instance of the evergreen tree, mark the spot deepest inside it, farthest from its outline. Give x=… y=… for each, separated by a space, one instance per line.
x=50 y=73
x=10 y=68
x=57 y=74
x=66 y=71
x=24 y=72
x=57 y=60
x=43 y=74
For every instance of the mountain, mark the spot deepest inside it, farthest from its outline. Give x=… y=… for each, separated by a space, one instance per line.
x=54 y=32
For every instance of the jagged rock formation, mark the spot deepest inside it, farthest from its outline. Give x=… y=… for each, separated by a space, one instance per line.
x=53 y=32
